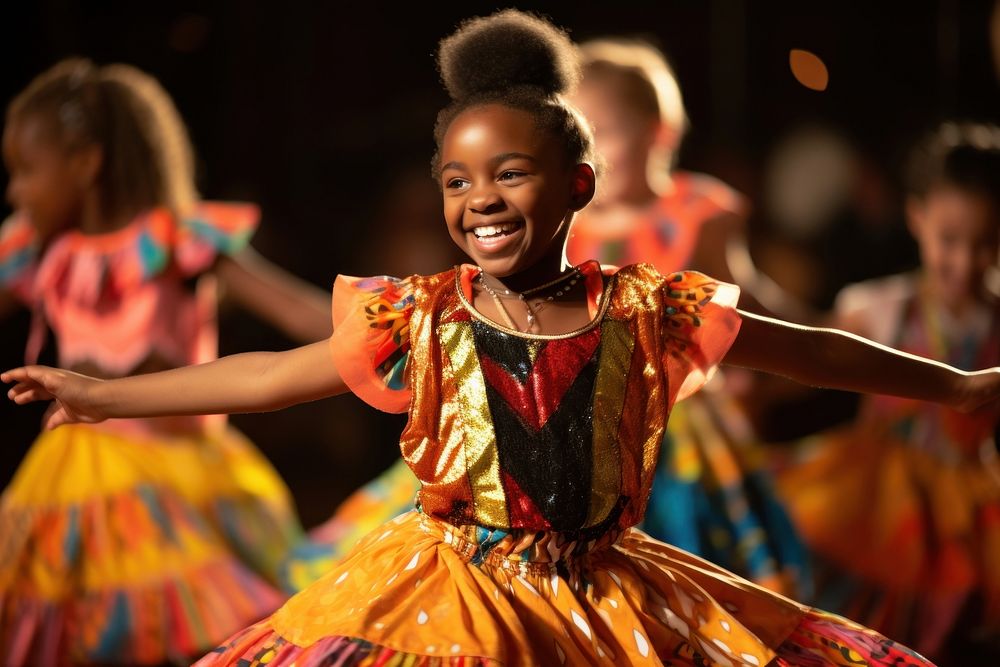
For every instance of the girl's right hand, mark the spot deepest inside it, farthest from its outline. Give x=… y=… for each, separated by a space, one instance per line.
x=73 y=394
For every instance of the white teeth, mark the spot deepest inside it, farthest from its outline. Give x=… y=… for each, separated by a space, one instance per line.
x=494 y=230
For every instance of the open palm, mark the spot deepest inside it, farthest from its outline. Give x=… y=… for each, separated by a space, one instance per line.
x=71 y=393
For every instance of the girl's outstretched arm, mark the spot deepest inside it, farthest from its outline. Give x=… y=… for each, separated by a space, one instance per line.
x=297 y=308
x=840 y=360
x=250 y=382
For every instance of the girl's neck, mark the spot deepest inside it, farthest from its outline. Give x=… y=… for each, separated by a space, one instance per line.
x=548 y=268
x=94 y=220
x=959 y=307
x=638 y=195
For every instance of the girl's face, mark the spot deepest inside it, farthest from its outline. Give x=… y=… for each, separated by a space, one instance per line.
x=958 y=232
x=508 y=192
x=624 y=136
x=47 y=182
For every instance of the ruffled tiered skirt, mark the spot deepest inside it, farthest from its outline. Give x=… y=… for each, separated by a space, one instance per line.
x=418 y=591
x=909 y=540
x=127 y=549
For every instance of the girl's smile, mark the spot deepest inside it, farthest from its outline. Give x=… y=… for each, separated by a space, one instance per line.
x=494 y=237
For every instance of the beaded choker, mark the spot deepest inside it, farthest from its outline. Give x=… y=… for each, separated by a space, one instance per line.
x=571 y=278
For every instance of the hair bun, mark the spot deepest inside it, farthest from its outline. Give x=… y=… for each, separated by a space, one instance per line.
x=507 y=49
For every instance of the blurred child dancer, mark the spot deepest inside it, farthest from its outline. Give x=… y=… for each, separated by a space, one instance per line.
x=534 y=417
x=140 y=540
x=904 y=505
x=710 y=495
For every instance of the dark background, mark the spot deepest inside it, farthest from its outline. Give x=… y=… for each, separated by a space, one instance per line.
x=322 y=113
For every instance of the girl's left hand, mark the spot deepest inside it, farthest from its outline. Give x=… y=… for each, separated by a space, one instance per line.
x=978 y=390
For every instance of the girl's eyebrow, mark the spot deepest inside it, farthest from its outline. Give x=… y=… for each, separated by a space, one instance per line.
x=503 y=157
x=496 y=160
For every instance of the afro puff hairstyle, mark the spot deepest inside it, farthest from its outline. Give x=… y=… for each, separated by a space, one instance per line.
x=519 y=61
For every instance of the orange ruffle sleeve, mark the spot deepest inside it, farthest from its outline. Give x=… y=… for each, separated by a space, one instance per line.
x=371 y=338
x=701 y=323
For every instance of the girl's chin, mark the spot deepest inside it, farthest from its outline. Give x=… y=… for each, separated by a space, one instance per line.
x=498 y=268
x=499 y=265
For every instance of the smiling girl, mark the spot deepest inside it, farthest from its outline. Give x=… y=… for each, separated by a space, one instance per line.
x=537 y=396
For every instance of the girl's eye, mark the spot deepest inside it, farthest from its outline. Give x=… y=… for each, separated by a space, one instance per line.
x=510 y=175
x=456 y=183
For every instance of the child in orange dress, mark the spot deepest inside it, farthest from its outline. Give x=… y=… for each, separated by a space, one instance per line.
x=710 y=493
x=134 y=541
x=537 y=397
x=904 y=504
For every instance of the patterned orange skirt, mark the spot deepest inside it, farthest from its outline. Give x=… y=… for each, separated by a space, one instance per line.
x=418 y=591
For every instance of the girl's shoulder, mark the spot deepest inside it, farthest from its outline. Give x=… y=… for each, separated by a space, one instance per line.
x=370 y=346
x=678 y=292
x=874 y=307
x=878 y=291
x=19 y=249
x=644 y=275
x=153 y=243
x=707 y=193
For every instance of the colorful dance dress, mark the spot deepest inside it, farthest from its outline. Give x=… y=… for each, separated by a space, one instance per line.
x=711 y=495
x=535 y=455
x=134 y=541
x=904 y=504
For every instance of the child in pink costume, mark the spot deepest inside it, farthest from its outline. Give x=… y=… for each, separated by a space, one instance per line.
x=135 y=541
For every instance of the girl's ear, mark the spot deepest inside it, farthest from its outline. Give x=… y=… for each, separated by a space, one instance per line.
x=584 y=185
x=88 y=162
x=914 y=215
x=666 y=138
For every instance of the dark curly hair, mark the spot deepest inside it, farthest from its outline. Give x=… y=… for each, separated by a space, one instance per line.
x=519 y=61
x=964 y=155
x=148 y=160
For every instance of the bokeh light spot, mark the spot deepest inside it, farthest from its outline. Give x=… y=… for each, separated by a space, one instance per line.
x=808 y=69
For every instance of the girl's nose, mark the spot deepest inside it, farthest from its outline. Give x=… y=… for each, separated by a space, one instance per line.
x=485 y=200
x=963 y=262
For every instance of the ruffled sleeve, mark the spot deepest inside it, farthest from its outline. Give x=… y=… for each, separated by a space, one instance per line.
x=213 y=229
x=371 y=338
x=18 y=256
x=701 y=323
x=88 y=267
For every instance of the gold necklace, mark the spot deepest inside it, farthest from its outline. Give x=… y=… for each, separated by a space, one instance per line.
x=573 y=274
x=532 y=311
